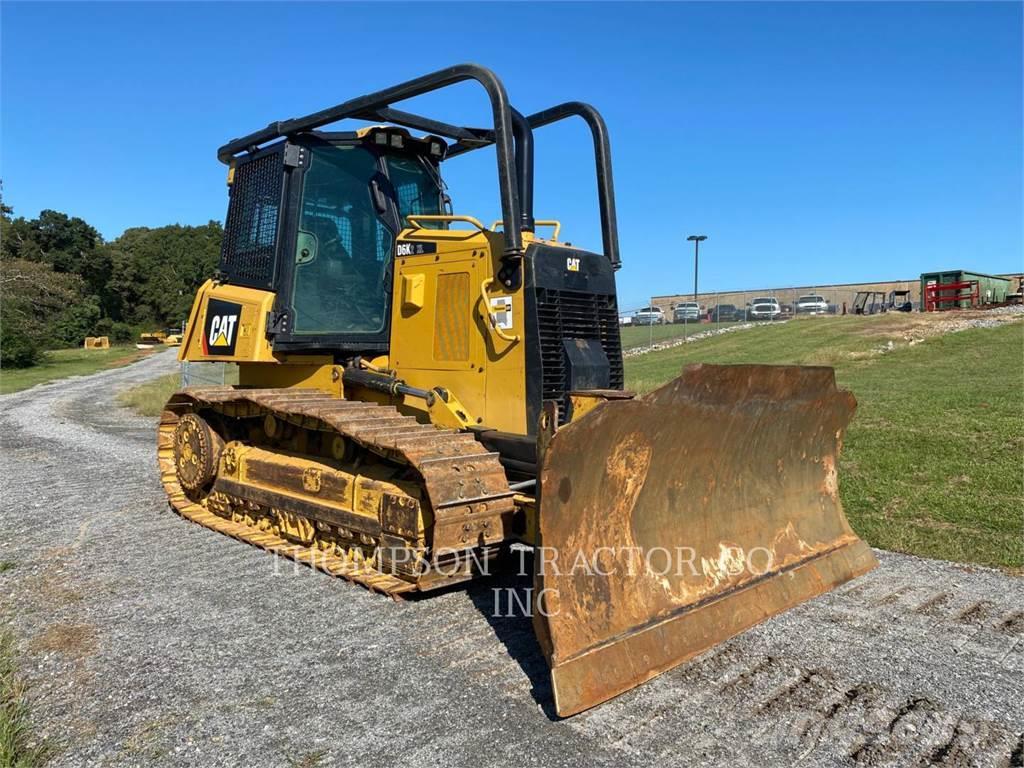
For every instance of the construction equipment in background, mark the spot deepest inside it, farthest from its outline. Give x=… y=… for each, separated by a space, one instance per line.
x=900 y=301
x=869 y=303
x=169 y=337
x=1017 y=297
x=152 y=338
x=96 y=342
x=418 y=392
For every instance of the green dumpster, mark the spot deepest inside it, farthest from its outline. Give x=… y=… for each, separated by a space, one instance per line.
x=992 y=289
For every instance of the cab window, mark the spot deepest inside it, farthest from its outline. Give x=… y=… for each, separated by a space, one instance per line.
x=416 y=186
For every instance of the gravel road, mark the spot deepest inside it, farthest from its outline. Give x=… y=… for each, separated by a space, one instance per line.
x=149 y=640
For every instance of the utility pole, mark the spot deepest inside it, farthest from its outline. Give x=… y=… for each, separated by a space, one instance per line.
x=697 y=239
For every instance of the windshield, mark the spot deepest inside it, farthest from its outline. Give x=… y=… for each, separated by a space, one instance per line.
x=417 y=187
x=764 y=300
x=687 y=306
x=809 y=299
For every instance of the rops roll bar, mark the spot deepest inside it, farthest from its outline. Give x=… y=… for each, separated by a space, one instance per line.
x=374 y=104
x=515 y=165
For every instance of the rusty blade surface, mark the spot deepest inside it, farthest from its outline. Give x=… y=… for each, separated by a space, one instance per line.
x=672 y=522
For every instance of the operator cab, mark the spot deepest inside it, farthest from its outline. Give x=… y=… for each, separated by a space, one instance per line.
x=314 y=218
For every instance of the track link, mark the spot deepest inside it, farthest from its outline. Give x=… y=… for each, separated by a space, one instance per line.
x=465 y=485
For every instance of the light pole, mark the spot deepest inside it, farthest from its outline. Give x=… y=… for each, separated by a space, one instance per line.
x=697 y=239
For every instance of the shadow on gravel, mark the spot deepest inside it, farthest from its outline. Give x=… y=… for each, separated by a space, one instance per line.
x=504 y=602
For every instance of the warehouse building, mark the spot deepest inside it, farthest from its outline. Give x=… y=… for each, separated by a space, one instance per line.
x=836 y=294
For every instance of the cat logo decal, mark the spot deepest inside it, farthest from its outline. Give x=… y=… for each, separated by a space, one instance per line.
x=221 y=328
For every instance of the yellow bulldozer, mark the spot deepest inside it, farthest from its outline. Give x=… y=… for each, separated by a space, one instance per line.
x=418 y=393
x=168 y=338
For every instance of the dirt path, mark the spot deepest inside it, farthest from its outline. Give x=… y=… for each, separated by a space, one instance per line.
x=150 y=640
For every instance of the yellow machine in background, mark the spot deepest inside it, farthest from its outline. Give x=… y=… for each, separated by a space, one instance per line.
x=418 y=391
x=169 y=338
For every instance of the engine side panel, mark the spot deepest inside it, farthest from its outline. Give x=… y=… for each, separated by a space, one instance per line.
x=440 y=334
x=228 y=324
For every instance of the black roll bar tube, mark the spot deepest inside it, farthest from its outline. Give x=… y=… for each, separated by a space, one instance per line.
x=503 y=133
x=602 y=163
x=523 y=135
x=426 y=124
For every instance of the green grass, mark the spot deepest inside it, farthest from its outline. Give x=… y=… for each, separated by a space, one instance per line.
x=932 y=463
x=61 y=363
x=148 y=399
x=806 y=341
x=16 y=743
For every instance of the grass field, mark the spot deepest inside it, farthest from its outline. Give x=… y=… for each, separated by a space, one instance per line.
x=932 y=463
x=61 y=363
x=16 y=747
x=148 y=399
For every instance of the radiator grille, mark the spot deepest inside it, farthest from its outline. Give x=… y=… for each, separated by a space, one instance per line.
x=575 y=315
x=247 y=254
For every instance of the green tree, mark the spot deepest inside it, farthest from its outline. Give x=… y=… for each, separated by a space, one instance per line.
x=69 y=246
x=155 y=272
x=33 y=301
x=62 y=282
x=64 y=242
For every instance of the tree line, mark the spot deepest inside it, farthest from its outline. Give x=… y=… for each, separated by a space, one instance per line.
x=60 y=281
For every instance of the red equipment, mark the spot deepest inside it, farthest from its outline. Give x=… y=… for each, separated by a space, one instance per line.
x=951 y=295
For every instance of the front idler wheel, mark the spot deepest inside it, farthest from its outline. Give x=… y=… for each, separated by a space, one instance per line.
x=196 y=453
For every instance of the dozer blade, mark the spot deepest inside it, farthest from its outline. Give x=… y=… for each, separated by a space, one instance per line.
x=672 y=522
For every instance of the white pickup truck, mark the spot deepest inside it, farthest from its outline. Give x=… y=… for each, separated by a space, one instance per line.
x=764 y=308
x=649 y=316
x=688 y=311
x=811 y=304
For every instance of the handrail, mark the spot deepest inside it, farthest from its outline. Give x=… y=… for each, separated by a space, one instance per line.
x=499 y=332
x=538 y=222
x=415 y=218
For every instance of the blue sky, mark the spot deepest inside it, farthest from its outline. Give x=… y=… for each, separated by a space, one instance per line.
x=812 y=143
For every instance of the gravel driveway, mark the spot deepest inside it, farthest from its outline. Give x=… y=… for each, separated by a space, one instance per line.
x=149 y=640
